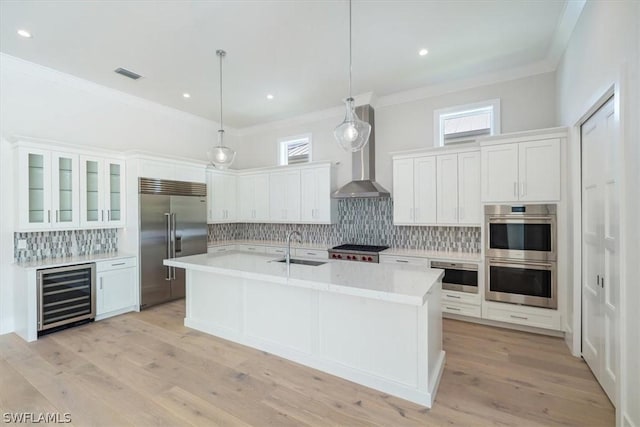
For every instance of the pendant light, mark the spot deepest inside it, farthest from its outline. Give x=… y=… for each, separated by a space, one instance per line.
x=220 y=156
x=352 y=134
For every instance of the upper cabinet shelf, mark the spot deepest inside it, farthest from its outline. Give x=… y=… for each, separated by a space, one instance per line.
x=66 y=190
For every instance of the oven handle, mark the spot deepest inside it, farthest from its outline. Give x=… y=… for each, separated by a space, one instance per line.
x=535 y=265
x=521 y=219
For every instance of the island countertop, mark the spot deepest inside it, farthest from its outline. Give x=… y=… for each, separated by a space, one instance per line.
x=404 y=284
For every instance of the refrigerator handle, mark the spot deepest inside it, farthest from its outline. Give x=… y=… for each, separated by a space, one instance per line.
x=173 y=240
x=168 y=271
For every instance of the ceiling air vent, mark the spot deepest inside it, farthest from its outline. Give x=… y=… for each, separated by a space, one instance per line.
x=128 y=73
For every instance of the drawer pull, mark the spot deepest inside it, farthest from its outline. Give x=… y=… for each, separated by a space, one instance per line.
x=453 y=296
x=251 y=249
x=402 y=260
x=118 y=263
x=519 y=317
x=310 y=253
x=453 y=308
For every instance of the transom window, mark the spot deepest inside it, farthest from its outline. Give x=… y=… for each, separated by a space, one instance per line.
x=465 y=123
x=295 y=149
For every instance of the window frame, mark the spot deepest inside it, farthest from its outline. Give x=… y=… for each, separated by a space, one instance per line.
x=440 y=115
x=283 y=145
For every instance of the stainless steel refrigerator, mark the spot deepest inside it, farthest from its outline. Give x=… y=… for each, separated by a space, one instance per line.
x=173 y=223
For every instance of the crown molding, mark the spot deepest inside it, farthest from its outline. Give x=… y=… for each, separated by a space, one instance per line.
x=566 y=24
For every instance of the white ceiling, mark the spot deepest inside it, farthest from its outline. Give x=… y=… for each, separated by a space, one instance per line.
x=296 y=50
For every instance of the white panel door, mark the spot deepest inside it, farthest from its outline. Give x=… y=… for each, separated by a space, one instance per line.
x=539 y=170
x=469 y=207
x=499 y=173
x=222 y=196
x=309 y=194
x=277 y=196
x=230 y=197
x=260 y=184
x=600 y=236
x=425 y=193
x=403 y=191
x=246 y=198
x=447 y=184
x=292 y=197
x=116 y=290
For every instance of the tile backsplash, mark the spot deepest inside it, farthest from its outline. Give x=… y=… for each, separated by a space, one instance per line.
x=360 y=221
x=55 y=244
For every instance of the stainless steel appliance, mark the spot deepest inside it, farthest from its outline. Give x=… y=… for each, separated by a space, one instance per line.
x=173 y=223
x=522 y=282
x=521 y=232
x=521 y=254
x=362 y=253
x=462 y=277
x=66 y=295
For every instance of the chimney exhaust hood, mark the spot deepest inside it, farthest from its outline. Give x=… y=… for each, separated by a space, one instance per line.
x=363 y=166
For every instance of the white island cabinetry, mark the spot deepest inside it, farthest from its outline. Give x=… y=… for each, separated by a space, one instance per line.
x=378 y=325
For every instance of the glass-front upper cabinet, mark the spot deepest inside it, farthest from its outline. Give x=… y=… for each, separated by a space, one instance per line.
x=114 y=202
x=65 y=195
x=101 y=198
x=47 y=189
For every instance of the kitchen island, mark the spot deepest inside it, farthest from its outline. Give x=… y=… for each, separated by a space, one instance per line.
x=378 y=325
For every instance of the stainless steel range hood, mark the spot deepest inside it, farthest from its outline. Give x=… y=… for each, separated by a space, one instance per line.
x=363 y=166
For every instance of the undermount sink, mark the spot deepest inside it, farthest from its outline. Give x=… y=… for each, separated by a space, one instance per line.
x=302 y=261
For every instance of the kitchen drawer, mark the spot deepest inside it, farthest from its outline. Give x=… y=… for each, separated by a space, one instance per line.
x=389 y=259
x=115 y=264
x=250 y=248
x=276 y=250
x=521 y=315
x=461 y=309
x=220 y=249
x=460 y=297
x=311 y=253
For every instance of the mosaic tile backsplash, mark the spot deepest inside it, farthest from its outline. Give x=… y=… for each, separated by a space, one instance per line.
x=56 y=244
x=360 y=221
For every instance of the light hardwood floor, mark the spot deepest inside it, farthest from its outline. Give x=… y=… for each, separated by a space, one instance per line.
x=148 y=369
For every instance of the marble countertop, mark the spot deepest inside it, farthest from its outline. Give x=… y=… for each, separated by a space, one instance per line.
x=404 y=284
x=77 y=259
x=443 y=255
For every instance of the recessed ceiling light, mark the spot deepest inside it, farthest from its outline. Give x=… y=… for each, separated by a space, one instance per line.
x=270 y=96
x=186 y=95
x=423 y=52
x=24 y=33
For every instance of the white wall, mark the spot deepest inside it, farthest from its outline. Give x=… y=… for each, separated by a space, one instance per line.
x=526 y=103
x=43 y=103
x=603 y=52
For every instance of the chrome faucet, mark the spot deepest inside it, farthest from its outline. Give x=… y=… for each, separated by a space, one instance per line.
x=289 y=235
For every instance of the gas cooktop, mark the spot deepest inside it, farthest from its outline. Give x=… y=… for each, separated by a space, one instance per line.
x=362 y=253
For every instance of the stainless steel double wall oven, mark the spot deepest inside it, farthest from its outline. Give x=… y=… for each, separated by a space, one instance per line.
x=521 y=254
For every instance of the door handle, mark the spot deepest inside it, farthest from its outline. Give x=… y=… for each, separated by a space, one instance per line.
x=48 y=216
x=602 y=281
x=522 y=189
x=518 y=317
x=168 y=248
x=57 y=220
x=453 y=296
x=453 y=308
x=597 y=280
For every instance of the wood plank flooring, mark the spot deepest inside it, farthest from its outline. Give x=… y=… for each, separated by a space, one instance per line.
x=148 y=369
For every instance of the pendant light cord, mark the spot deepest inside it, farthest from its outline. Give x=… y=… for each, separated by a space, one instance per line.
x=350 y=67
x=221 y=54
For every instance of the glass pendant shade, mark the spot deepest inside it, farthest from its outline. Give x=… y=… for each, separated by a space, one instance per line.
x=220 y=156
x=352 y=134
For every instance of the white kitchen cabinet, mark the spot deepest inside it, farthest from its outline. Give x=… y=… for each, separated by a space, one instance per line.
x=162 y=169
x=221 y=195
x=316 y=204
x=526 y=171
x=522 y=315
x=437 y=189
x=102 y=192
x=116 y=287
x=469 y=206
x=48 y=189
x=447 y=189
x=253 y=197
x=414 y=190
x=284 y=196
x=403 y=192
